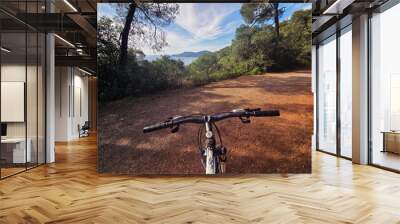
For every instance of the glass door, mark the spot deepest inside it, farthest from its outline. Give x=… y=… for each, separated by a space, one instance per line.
x=327 y=95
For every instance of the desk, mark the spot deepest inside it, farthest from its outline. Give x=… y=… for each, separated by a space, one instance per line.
x=18 y=151
x=391 y=141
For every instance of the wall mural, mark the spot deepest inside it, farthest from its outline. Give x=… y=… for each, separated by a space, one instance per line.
x=204 y=88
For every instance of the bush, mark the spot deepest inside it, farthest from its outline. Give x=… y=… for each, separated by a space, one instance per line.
x=256 y=71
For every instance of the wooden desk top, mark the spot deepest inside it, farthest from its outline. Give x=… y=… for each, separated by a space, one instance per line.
x=13 y=140
x=391 y=132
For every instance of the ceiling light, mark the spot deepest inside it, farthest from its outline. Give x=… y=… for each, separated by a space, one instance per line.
x=79 y=51
x=86 y=72
x=64 y=40
x=337 y=7
x=70 y=5
x=5 y=50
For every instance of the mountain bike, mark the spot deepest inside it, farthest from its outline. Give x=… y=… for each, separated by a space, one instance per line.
x=213 y=155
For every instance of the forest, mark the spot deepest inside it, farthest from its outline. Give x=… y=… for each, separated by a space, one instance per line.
x=263 y=44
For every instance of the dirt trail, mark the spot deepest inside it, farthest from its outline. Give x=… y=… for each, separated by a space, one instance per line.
x=266 y=145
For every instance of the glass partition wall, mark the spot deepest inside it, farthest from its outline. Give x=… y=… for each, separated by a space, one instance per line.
x=13 y=91
x=385 y=89
x=327 y=95
x=334 y=94
x=22 y=77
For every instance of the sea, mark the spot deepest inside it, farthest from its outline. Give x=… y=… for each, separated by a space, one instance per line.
x=185 y=60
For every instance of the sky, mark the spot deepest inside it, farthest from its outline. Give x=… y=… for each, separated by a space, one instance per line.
x=202 y=26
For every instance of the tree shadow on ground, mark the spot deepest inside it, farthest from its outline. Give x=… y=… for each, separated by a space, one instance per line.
x=267 y=145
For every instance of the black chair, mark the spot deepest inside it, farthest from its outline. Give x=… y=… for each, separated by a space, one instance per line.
x=84 y=130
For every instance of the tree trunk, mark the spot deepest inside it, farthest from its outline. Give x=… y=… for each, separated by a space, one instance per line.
x=276 y=19
x=123 y=56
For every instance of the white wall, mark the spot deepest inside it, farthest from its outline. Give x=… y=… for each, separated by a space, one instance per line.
x=62 y=82
x=80 y=89
x=16 y=73
x=33 y=126
x=13 y=73
x=71 y=87
x=9 y=73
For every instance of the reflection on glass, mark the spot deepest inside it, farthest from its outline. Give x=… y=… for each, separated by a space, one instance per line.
x=327 y=95
x=385 y=93
x=346 y=93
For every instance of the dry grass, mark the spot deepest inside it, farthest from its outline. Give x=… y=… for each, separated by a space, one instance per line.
x=266 y=145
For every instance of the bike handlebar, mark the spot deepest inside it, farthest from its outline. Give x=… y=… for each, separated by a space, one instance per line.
x=267 y=113
x=155 y=127
x=200 y=119
x=197 y=119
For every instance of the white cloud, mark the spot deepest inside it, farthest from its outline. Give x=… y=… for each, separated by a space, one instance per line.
x=105 y=9
x=204 y=20
x=203 y=23
x=177 y=43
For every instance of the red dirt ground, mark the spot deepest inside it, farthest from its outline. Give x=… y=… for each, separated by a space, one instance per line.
x=266 y=145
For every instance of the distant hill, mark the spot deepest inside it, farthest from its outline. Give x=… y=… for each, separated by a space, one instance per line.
x=191 y=54
x=187 y=57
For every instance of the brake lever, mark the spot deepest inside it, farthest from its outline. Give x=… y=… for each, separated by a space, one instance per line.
x=175 y=129
x=245 y=120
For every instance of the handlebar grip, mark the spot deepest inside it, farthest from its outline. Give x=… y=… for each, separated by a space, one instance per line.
x=267 y=113
x=156 y=127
